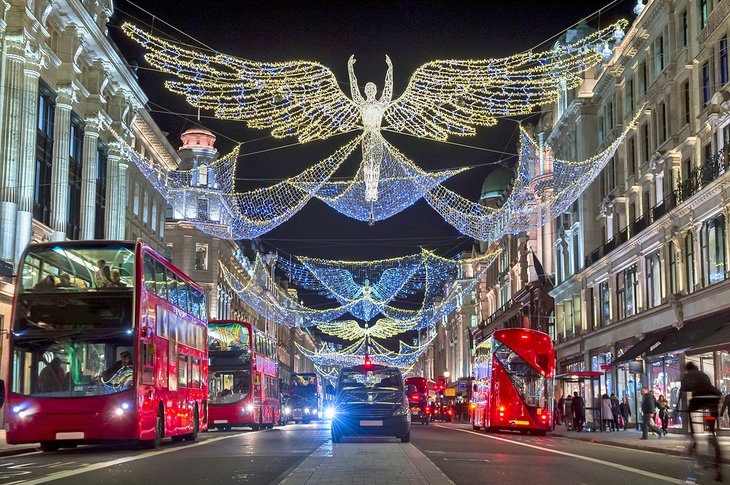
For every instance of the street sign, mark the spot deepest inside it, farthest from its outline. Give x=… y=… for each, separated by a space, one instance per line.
x=450 y=392
x=461 y=386
x=605 y=366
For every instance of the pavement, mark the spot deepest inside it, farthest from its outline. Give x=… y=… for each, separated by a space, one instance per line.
x=671 y=444
x=11 y=450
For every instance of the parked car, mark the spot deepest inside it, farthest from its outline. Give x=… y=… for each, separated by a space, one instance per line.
x=371 y=400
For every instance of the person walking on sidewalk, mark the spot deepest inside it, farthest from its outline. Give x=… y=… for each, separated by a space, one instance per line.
x=663 y=405
x=625 y=410
x=616 y=410
x=579 y=409
x=648 y=408
x=606 y=413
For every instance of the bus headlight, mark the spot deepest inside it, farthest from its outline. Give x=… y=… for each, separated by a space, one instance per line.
x=330 y=413
x=249 y=408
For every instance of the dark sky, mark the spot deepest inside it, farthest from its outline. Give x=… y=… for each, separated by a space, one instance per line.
x=411 y=33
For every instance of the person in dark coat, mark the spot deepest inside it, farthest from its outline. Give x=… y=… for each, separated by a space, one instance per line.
x=579 y=412
x=648 y=408
x=559 y=410
x=625 y=410
x=616 y=410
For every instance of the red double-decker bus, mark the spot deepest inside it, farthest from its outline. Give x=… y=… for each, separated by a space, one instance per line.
x=514 y=372
x=107 y=343
x=243 y=373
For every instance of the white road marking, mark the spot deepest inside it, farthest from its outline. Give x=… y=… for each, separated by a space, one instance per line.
x=119 y=461
x=637 y=471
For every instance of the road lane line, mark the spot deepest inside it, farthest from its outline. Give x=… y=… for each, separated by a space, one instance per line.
x=637 y=471
x=119 y=461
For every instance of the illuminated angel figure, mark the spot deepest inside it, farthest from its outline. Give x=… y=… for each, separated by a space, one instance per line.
x=443 y=97
x=371 y=112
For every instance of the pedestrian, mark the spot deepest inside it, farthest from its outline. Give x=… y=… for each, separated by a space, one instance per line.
x=579 y=409
x=663 y=406
x=625 y=409
x=568 y=413
x=725 y=407
x=616 y=410
x=559 y=410
x=648 y=408
x=606 y=413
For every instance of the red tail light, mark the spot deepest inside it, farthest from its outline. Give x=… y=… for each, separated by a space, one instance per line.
x=415 y=397
x=428 y=410
x=450 y=412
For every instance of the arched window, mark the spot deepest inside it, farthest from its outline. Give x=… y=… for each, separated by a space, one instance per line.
x=712 y=239
x=689 y=261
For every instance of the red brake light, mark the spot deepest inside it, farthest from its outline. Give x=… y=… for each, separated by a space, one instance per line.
x=450 y=412
x=415 y=397
x=428 y=410
x=501 y=408
x=368 y=362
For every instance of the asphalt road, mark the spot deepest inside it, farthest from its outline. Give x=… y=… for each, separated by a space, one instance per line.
x=267 y=456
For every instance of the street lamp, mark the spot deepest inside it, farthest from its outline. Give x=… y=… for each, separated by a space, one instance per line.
x=447 y=374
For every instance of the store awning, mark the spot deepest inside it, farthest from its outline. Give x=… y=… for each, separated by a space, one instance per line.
x=643 y=346
x=690 y=335
x=579 y=376
x=717 y=341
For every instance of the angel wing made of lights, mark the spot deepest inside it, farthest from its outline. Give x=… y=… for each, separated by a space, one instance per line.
x=351 y=329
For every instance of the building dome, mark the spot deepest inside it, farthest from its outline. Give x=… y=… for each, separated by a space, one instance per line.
x=197 y=138
x=496 y=183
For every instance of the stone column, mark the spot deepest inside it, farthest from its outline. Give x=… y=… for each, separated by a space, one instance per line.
x=26 y=171
x=59 y=173
x=112 y=191
x=88 y=178
x=14 y=54
x=123 y=198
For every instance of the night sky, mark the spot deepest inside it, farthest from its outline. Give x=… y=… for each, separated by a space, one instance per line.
x=411 y=33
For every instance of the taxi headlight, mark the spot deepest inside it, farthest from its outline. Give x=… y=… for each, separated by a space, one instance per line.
x=306 y=410
x=287 y=410
x=330 y=413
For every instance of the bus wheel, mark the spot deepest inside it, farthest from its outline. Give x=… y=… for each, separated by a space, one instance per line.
x=159 y=430
x=47 y=446
x=193 y=435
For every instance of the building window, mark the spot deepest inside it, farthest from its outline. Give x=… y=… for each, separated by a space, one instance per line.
x=153 y=219
x=201 y=256
x=101 y=161
x=685 y=95
x=44 y=155
x=145 y=207
x=672 y=277
x=75 y=168
x=135 y=206
x=604 y=304
x=642 y=79
x=685 y=30
x=689 y=261
x=629 y=95
x=645 y=143
x=706 y=88
x=704 y=11
x=663 y=131
x=631 y=155
x=658 y=56
x=626 y=292
x=654 y=279
x=168 y=252
x=723 y=61
x=569 y=318
x=712 y=241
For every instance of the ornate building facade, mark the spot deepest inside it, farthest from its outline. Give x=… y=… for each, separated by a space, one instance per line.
x=642 y=258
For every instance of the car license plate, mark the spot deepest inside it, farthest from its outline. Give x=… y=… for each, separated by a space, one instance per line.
x=70 y=436
x=415 y=410
x=371 y=423
x=523 y=423
x=220 y=421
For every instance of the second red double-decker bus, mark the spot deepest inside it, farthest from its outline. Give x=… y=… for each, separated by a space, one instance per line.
x=244 y=383
x=513 y=384
x=107 y=343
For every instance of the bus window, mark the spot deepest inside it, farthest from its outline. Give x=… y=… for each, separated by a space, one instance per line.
x=148 y=363
x=149 y=273
x=195 y=373
x=162 y=322
x=161 y=280
x=182 y=370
